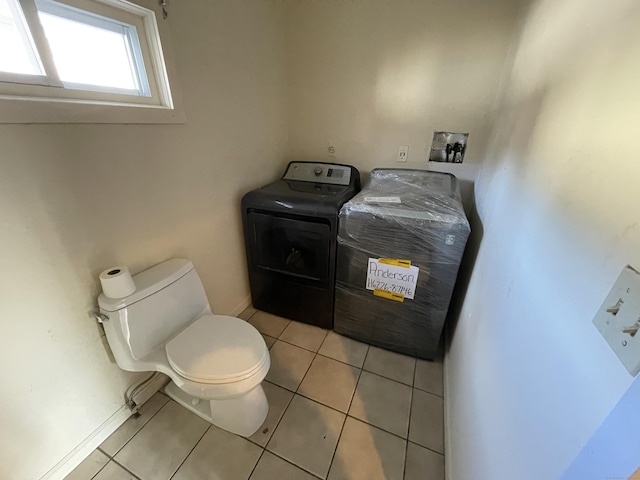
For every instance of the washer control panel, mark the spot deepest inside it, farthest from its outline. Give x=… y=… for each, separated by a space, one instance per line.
x=319 y=173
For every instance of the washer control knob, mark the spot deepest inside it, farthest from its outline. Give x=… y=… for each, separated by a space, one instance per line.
x=317 y=171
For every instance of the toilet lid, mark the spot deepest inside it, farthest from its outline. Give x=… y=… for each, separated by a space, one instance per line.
x=217 y=349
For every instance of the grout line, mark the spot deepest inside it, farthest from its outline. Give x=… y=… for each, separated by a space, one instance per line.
x=340 y=361
x=281 y=417
x=426 y=448
x=259 y=458
x=299 y=346
x=101 y=468
x=103 y=452
x=323 y=404
x=427 y=391
x=415 y=363
x=279 y=420
x=347 y=415
x=380 y=428
x=388 y=378
x=305 y=373
x=125 y=468
x=190 y=451
x=291 y=463
x=416 y=374
x=285 y=327
x=406 y=445
x=141 y=427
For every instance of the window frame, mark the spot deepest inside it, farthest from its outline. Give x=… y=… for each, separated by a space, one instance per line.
x=48 y=101
x=128 y=31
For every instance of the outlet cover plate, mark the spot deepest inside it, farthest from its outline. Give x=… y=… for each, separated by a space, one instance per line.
x=618 y=319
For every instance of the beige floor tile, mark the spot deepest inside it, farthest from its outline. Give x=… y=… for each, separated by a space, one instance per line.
x=330 y=382
x=427 y=420
x=423 y=464
x=220 y=455
x=344 y=349
x=128 y=429
x=271 y=467
x=89 y=466
x=303 y=335
x=383 y=403
x=368 y=453
x=160 y=447
x=429 y=376
x=247 y=313
x=307 y=435
x=288 y=364
x=268 y=340
x=113 y=471
x=268 y=324
x=390 y=364
x=278 y=399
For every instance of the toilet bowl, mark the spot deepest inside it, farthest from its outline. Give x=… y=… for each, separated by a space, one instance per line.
x=216 y=363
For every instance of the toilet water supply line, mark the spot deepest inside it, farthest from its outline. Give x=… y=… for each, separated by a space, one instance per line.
x=136 y=387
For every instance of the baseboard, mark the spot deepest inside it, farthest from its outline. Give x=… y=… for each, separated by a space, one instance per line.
x=241 y=306
x=100 y=434
x=448 y=470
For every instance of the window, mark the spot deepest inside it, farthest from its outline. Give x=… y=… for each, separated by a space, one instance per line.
x=81 y=52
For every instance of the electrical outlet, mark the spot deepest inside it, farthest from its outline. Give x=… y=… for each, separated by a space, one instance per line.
x=618 y=319
x=403 y=153
x=331 y=149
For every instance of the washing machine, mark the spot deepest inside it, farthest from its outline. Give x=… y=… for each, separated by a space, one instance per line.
x=290 y=229
x=400 y=243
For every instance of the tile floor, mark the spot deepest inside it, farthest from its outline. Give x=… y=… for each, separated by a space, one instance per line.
x=339 y=409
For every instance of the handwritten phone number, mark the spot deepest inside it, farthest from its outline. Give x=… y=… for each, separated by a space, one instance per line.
x=374 y=284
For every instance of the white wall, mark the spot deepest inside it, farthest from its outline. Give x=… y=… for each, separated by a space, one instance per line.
x=372 y=75
x=529 y=377
x=612 y=452
x=79 y=198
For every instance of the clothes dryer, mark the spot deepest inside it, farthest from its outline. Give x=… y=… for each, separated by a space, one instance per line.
x=290 y=229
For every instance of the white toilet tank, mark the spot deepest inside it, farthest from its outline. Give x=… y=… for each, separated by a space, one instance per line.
x=168 y=297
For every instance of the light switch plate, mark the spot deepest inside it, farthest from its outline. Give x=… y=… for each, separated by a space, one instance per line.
x=403 y=153
x=618 y=319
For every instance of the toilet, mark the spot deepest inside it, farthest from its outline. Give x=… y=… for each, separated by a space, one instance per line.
x=216 y=363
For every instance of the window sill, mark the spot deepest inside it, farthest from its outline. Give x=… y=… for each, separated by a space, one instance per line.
x=22 y=111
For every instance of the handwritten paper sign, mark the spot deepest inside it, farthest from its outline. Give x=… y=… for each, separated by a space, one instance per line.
x=393 y=276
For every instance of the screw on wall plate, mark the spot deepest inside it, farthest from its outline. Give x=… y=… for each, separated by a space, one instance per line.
x=331 y=149
x=624 y=343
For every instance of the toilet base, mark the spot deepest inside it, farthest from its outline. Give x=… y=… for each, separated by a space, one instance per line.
x=242 y=415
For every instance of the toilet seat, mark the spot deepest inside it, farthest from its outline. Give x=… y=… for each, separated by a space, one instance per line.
x=217 y=349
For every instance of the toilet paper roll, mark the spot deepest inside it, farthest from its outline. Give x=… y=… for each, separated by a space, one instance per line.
x=117 y=282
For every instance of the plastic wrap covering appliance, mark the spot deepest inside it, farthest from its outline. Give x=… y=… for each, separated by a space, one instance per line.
x=400 y=243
